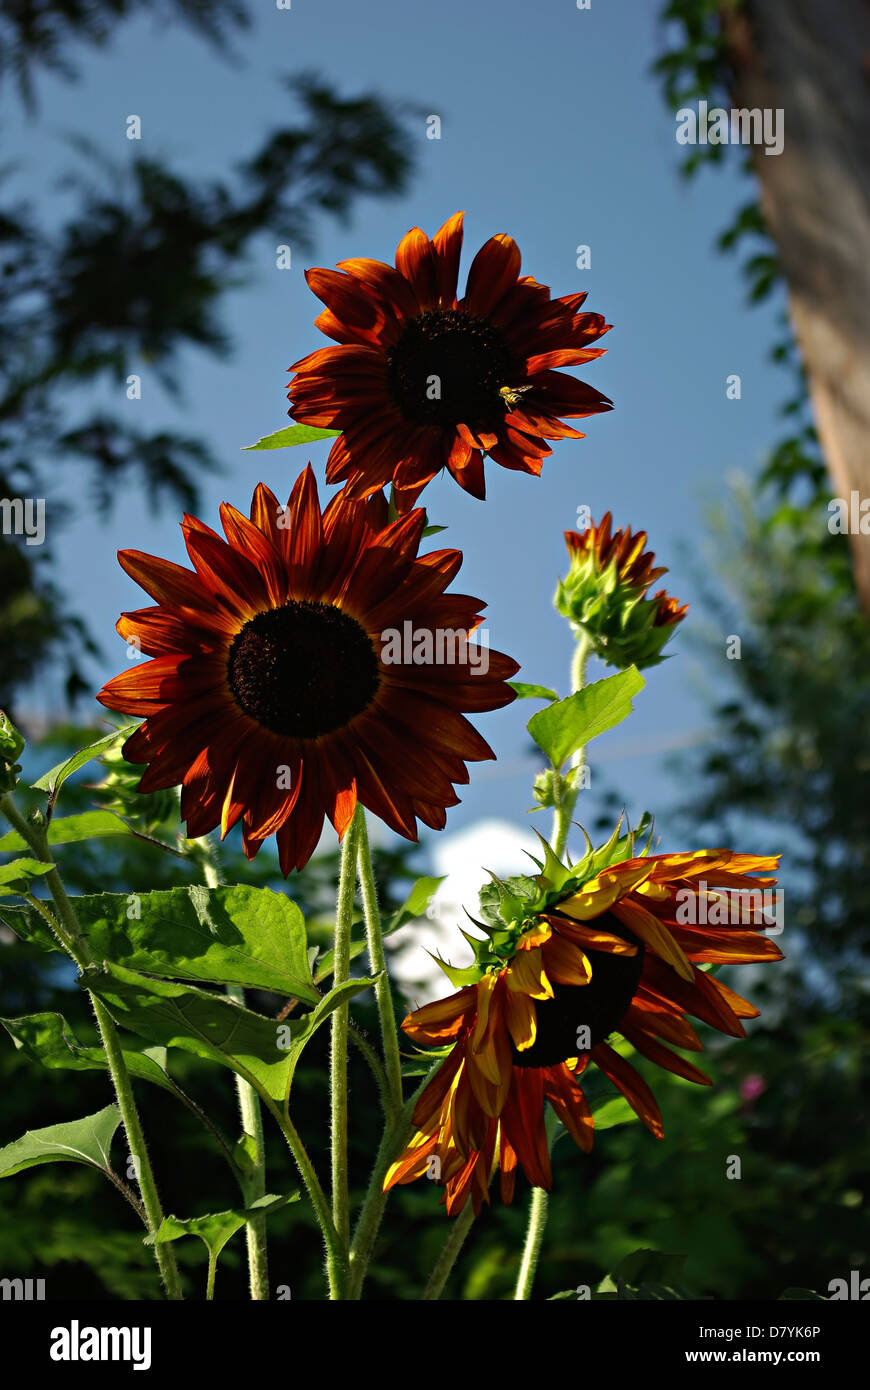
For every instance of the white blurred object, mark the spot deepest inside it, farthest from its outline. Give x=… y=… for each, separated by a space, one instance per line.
x=464 y=858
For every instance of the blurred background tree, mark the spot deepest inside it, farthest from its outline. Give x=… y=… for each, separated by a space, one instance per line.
x=137 y=271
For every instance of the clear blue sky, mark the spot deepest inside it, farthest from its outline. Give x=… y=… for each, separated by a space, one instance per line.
x=553 y=131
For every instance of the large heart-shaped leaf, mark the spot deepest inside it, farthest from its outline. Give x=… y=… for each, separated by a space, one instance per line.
x=231 y=935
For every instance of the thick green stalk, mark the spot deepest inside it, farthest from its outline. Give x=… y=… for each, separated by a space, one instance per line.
x=338 y=1050
x=254 y=1184
x=37 y=838
x=449 y=1254
x=393 y=1140
x=378 y=962
x=336 y=1255
x=565 y=795
x=453 y=1245
x=538 y=1207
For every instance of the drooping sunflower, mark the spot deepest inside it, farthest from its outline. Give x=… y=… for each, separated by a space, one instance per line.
x=568 y=961
x=307 y=662
x=605 y=594
x=422 y=380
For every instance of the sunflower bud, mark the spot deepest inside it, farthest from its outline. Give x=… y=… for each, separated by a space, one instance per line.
x=605 y=596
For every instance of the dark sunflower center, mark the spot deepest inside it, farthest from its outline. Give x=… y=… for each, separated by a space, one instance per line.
x=448 y=368
x=302 y=669
x=598 y=1006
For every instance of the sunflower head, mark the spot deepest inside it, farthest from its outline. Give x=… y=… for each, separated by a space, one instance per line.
x=605 y=595
x=424 y=377
x=614 y=945
x=307 y=662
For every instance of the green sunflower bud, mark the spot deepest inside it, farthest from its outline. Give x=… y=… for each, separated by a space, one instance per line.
x=605 y=596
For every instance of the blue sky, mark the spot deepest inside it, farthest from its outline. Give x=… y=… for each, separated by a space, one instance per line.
x=553 y=130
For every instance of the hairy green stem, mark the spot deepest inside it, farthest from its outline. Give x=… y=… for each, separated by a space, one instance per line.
x=453 y=1245
x=378 y=963
x=336 y=1254
x=534 y=1236
x=449 y=1254
x=565 y=795
x=254 y=1181
x=70 y=933
x=393 y=1140
x=339 y=1040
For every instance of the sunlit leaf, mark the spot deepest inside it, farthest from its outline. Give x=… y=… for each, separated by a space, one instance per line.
x=291 y=435
x=229 y=935
x=66 y=830
x=53 y=780
x=562 y=728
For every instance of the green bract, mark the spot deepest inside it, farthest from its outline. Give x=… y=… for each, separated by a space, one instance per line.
x=509 y=907
x=623 y=625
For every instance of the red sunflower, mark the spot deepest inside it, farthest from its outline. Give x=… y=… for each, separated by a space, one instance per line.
x=307 y=662
x=620 y=953
x=422 y=380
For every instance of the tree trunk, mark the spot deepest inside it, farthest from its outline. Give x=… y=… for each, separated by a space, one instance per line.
x=811 y=58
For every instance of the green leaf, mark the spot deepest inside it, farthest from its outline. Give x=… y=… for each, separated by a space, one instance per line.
x=91 y=825
x=300 y=1031
x=212 y=1026
x=432 y=531
x=532 y=692
x=230 y=935
x=415 y=904
x=15 y=878
x=78 y=1141
x=292 y=434
x=53 y=780
x=562 y=728
x=803 y=1295
x=218 y=1227
x=48 y=1039
x=615 y=1111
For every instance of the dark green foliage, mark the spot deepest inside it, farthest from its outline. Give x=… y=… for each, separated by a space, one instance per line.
x=38 y=34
